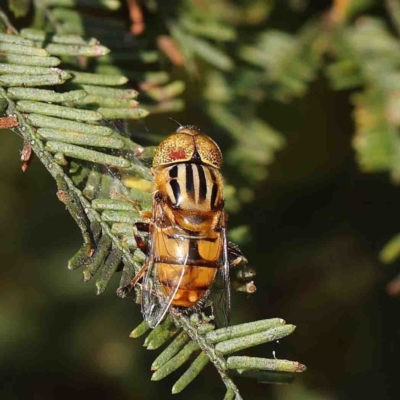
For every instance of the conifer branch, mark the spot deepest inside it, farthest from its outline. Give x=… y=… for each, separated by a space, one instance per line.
x=77 y=149
x=215 y=345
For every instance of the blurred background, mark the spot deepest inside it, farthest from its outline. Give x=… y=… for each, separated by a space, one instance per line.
x=308 y=217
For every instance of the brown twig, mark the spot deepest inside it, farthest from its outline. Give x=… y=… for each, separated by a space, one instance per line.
x=10 y=28
x=8 y=122
x=338 y=12
x=168 y=46
x=136 y=16
x=26 y=156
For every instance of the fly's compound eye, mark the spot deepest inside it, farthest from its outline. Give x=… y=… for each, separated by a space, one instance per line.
x=176 y=148
x=208 y=151
x=188 y=144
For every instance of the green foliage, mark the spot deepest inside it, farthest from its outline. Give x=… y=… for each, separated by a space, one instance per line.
x=133 y=59
x=216 y=344
x=368 y=56
x=58 y=131
x=19 y=7
x=62 y=98
x=287 y=63
x=241 y=64
x=355 y=53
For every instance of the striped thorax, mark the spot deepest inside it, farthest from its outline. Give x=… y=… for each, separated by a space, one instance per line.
x=193 y=195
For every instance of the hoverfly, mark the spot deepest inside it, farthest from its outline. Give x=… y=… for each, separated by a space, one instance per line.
x=188 y=256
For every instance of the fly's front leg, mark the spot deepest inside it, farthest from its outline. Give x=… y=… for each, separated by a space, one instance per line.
x=146 y=214
x=141 y=227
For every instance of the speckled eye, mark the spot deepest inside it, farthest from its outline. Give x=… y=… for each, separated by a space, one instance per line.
x=185 y=145
x=178 y=147
x=208 y=151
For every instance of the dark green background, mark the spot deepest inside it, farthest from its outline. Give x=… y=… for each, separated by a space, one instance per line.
x=317 y=225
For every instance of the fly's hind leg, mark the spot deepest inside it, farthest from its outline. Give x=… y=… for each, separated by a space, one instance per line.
x=235 y=255
x=242 y=280
x=123 y=291
x=142 y=245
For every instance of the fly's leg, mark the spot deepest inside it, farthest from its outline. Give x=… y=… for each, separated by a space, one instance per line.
x=235 y=255
x=244 y=275
x=146 y=214
x=123 y=291
x=141 y=227
x=142 y=245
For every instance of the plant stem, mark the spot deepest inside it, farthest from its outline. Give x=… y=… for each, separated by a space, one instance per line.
x=208 y=349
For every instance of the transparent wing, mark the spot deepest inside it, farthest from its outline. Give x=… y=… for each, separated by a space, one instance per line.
x=220 y=294
x=158 y=295
x=155 y=302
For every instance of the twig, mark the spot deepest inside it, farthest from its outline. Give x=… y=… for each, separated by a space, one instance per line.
x=7 y=22
x=8 y=122
x=168 y=46
x=208 y=349
x=58 y=174
x=338 y=11
x=393 y=7
x=26 y=155
x=136 y=16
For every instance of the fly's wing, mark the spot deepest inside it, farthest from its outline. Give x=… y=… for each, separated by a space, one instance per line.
x=155 y=302
x=220 y=294
x=157 y=296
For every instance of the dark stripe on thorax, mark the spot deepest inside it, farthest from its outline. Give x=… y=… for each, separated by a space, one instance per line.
x=176 y=189
x=214 y=189
x=202 y=183
x=190 y=181
x=173 y=172
x=214 y=193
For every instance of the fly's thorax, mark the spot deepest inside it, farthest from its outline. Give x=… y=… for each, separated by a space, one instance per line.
x=190 y=186
x=192 y=194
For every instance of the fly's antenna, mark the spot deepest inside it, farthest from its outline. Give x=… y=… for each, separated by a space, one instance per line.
x=180 y=125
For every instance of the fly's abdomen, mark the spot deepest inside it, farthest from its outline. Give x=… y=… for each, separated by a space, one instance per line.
x=193 y=286
x=187 y=262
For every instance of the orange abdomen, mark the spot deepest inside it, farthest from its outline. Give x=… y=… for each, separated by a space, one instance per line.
x=193 y=286
x=188 y=262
